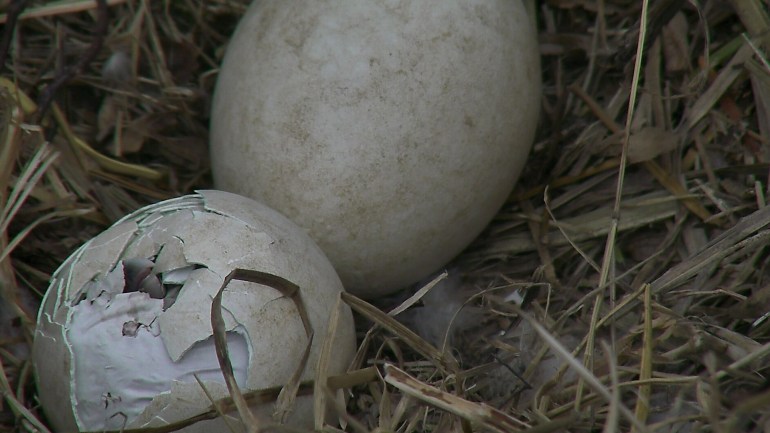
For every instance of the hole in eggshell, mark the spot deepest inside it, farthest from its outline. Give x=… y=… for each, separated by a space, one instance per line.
x=137 y=274
x=130 y=328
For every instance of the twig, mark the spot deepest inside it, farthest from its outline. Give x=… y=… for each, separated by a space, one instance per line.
x=14 y=10
x=63 y=76
x=659 y=15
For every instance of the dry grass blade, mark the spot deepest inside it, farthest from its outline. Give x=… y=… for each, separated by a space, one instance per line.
x=10 y=123
x=30 y=175
x=645 y=368
x=637 y=212
x=20 y=99
x=418 y=295
x=445 y=361
x=612 y=422
x=665 y=179
x=719 y=248
x=322 y=367
x=752 y=404
x=60 y=7
x=351 y=421
x=476 y=413
x=286 y=398
x=220 y=413
x=16 y=406
x=738 y=365
x=679 y=191
x=105 y=162
x=588 y=377
x=352 y=378
x=724 y=80
x=608 y=259
x=565 y=234
x=19 y=237
x=754 y=16
x=291 y=291
x=220 y=342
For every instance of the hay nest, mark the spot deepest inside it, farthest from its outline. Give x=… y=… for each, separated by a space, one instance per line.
x=621 y=288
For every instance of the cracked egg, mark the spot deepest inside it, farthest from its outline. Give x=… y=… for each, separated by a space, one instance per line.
x=124 y=336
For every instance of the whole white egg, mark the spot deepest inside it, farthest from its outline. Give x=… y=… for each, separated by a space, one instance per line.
x=125 y=326
x=392 y=131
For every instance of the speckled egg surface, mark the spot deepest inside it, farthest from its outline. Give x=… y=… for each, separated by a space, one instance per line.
x=392 y=131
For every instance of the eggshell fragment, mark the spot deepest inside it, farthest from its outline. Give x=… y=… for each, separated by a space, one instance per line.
x=391 y=131
x=125 y=326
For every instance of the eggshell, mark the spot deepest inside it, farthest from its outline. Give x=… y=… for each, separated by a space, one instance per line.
x=392 y=131
x=109 y=356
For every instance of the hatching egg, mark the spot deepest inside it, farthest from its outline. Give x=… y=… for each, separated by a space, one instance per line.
x=392 y=131
x=124 y=333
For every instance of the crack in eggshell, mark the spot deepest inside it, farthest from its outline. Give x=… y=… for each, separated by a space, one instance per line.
x=215 y=202
x=99 y=256
x=110 y=284
x=186 y=312
x=56 y=314
x=182 y=401
x=247 y=306
x=147 y=215
x=151 y=239
x=98 y=346
x=178 y=276
x=48 y=340
x=259 y=308
x=242 y=244
x=171 y=256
